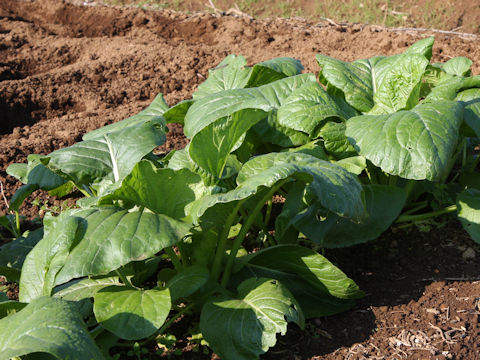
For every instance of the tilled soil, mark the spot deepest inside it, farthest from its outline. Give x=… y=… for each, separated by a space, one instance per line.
x=66 y=70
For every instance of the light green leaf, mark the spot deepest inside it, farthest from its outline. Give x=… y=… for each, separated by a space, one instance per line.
x=450 y=86
x=386 y=84
x=216 y=106
x=416 y=144
x=129 y=313
x=354 y=164
x=468 y=207
x=231 y=73
x=309 y=106
x=85 y=288
x=336 y=142
x=47 y=325
x=152 y=113
x=314 y=148
x=459 y=66
x=176 y=114
x=110 y=157
x=245 y=327
x=471 y=110
x=20 y=195
x=186 y=282
x=269 y=130
x=311 y=278
x=171 y=192
x=94 y=241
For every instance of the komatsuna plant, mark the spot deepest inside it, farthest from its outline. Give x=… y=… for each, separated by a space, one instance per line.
x=163 y=236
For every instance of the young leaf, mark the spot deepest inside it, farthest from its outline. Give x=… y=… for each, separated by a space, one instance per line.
x=312 y=279
x=129 y=313
x=273 y=70
x=47 y=325
x=416 y=144
x=270 y=131
x=246 y=326
x=468 y=207
x=335 y=140
x=94 y=241
x=471 y=110
x=177 y=113
x=459 y=66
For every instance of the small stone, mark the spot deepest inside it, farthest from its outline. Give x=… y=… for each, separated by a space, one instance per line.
x=469 y=254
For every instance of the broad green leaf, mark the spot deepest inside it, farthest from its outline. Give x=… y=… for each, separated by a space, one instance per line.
x=152 y=113
x=450 y=86
x=85 y=288
x=314 y=148
x=186 y=282
x=94 y=241
x=164 y=191
x=47 y=325
x=383 y=203
x=110 y=157
x=35 y=173
x=459 y=66
x=20 y=195
x=269 y=130
x=211 y=146
x=176 y=114
x=354 y=164
x=389 y=83
x=313 y=280
x=416 y=144
x=309 y=106
x=246 y=326
x=335 y=141
x=231 y=73
x=273 y=70
x=468 y=207
x=216 y=106
x=335 y=187
x=471 y=110
x=129 y=313
x=13 y=253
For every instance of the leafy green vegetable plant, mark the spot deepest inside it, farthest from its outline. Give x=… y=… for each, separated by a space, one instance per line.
x=161 y=237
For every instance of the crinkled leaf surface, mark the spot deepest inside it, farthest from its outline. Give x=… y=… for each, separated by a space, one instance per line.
x=47 y=325
x=111 y=156
x=313 y=280
x=468 y=207
x=415 y=144
x=307 y=107
x=152 y=113
x=130 y=313
x=246 y=326
x=163 y=191
x=85 y=288
x=94 y=241
x=216 y=106
x=336 y=188
x=231 y=73
x=391 y=83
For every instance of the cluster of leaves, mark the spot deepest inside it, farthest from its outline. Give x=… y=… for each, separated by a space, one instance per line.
x=157 y=237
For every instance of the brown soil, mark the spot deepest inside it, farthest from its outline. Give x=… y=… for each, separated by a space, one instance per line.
x=65 y=70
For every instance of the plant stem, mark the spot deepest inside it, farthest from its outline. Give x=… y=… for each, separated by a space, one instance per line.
x=85 y=191
x=414 y=209
x=409 y=187
x=97 y=330
x=222 y=243
x=244 y=230
x=174 y=258
x=183 y=253
x=124 y=279
x=392 y=180
x=421 y=217
x=17 y=224
x=268 y=213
